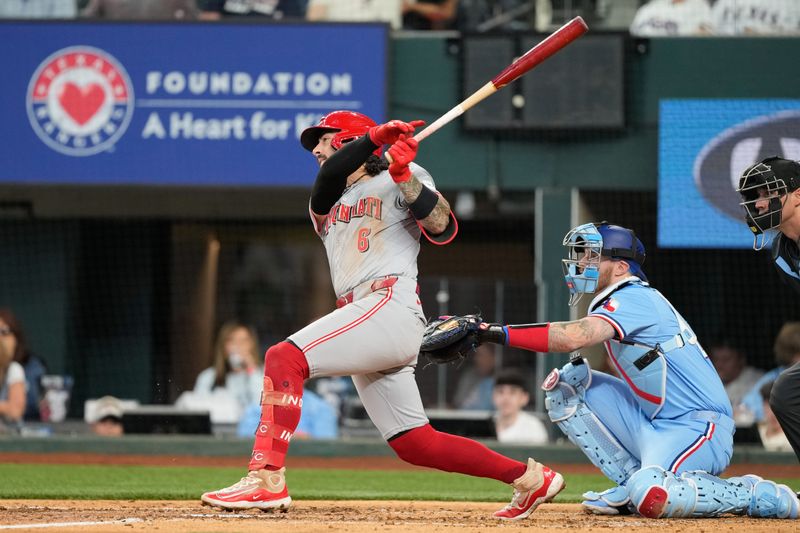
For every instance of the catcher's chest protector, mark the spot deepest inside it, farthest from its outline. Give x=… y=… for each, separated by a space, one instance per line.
x=645 y=370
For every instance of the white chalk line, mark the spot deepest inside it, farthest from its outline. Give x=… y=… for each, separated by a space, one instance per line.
x=73 y=524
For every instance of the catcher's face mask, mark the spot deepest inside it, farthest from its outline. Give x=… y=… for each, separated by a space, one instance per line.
x=763 y=195
x=582 y=265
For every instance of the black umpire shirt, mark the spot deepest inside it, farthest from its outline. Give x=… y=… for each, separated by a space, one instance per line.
x=786 y=256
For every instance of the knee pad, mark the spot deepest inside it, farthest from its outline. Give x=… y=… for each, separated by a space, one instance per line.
x=283 y=358
x=567 y=410
x=565 y=389
x=579 y=376
x=659 y=493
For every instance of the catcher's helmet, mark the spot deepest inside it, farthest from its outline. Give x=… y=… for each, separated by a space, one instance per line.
x=770 y=179
x=587 y=244
x=348 y=125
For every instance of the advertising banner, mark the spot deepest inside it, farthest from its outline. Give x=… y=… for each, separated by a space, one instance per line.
x=179 y=103
x=704 y=145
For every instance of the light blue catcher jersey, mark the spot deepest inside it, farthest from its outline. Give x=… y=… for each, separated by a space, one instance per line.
x=673 y=381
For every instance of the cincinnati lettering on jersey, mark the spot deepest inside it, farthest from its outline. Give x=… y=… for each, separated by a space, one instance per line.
x=369 y=207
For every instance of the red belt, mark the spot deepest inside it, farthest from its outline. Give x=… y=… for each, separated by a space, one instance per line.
x=378 y=284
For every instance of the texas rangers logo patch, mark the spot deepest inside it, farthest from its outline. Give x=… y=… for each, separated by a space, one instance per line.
x=551 y=380
x=80 y=101
x=611 y=305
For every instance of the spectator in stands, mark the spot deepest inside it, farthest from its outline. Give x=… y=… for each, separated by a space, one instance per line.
x=356 y=11
x=671 y=18
x=772 y=436
x=270 y=9
x=756 y=17
x=12 y=386
x=105 y=416
x=429 y=14
x=140 y=9
x=474 y=389
x=731 y=365
x=38 y=9
x=503 y=15
x=235 y=369
x=512 y=424
x=13 y=338
x=787 y=353
x=334 y=390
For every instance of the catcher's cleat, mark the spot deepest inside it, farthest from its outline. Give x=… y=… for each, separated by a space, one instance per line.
x=259 y=489
x=536 y=486
x=614 y=501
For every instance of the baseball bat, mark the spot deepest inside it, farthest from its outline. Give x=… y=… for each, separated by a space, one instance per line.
x=530 y=59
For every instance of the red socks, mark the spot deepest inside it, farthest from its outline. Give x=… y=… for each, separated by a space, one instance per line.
x=424 y=446
x=285 y=370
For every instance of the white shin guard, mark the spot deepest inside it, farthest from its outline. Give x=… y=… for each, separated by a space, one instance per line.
x=567 y=410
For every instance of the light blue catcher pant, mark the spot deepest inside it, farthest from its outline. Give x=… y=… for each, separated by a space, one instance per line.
x=664 y=467
x=599 y=413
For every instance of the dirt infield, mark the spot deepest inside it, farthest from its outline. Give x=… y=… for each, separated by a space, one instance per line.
x=332 y=516
x=340 y=516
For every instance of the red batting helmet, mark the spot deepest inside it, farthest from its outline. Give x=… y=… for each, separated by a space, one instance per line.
x=348 y=126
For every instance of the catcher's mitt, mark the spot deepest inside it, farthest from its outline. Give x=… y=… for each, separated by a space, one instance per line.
x=450 y=338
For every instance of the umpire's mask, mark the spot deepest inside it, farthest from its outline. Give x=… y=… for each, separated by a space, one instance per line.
x=769 y=180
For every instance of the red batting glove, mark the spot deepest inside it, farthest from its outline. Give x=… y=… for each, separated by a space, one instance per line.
x=402 y=153
x=389 y=133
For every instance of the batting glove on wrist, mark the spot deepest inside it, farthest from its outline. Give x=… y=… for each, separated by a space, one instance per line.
x=389 y=133
x=402 y=153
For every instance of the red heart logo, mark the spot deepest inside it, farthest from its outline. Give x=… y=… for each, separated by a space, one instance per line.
x=81 y=103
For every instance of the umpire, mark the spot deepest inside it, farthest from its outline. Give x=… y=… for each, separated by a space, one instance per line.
x=770 y=192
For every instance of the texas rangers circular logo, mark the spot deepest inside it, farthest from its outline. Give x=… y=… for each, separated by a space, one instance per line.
x=80 y=101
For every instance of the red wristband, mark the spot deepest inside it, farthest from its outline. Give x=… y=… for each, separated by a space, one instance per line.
x=533 y=337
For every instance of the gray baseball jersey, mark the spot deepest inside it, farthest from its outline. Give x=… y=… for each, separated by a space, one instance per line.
x=370 y=235
x=369 y=232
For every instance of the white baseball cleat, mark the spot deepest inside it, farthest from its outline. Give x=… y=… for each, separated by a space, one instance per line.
x=536 y=486
x=259 y=489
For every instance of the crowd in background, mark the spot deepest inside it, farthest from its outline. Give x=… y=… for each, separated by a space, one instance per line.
x=653 y=18
x=230 y=390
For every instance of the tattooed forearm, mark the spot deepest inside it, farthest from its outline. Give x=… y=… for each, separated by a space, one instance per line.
x=439 y=218
x=569 y=336
x=410 y=189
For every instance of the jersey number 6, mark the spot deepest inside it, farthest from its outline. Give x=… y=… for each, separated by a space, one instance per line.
x=363 y=241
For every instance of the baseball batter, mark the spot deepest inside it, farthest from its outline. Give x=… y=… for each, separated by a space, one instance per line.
x=664 y=431
x=370 y=216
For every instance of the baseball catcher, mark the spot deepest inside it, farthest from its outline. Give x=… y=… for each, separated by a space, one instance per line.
x=662 y=433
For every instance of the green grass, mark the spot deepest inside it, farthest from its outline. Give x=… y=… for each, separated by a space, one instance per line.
x=90 y=482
